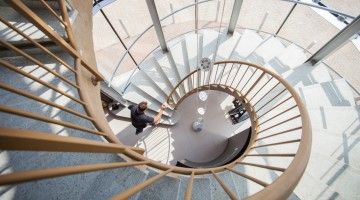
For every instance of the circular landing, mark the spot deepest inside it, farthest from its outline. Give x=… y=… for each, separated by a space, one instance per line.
x=169 y=145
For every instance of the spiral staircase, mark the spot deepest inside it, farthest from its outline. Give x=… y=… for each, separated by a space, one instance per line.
x=56 y=144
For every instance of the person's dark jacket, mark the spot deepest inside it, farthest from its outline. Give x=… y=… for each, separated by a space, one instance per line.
x=138 y=118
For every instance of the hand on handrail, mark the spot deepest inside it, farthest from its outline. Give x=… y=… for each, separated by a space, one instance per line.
x=163 y=106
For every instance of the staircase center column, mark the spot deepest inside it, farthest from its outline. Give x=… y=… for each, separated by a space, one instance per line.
x=336 y=42
x=157 y=25
x=234 y=16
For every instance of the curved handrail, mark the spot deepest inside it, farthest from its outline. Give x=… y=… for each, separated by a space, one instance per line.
x=274 y=191
x=295 y=170
x=290 y=176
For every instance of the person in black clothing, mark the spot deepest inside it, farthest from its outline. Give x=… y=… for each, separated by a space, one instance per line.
x=138 y=118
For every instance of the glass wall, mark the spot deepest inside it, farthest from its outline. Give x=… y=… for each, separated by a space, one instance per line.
x=132 y=22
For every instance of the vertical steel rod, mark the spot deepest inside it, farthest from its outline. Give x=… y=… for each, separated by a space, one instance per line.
x=189 y=187
x=117 y=35
x=336 y=42
x=217 y=11
x=232 y=66
x=124 y=27
x=286 y=18
x=157 y=25
x=263 y=21
x=172 y=10
x=234 y=16
x=237 y=71
x=309 y=46
x=196 y=16
x=218 y=37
